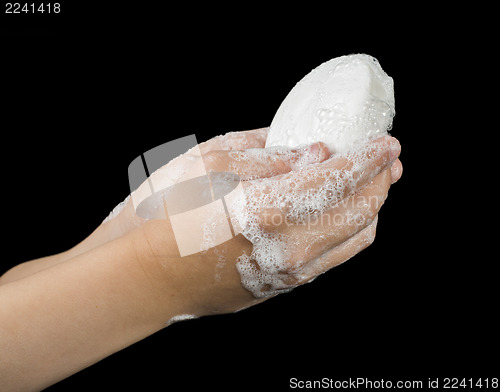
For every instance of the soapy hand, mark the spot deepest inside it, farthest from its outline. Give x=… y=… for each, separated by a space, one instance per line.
x=300 y=222
x=303 y=213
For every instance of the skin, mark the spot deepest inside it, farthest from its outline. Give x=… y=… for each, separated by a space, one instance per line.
x=125 y=281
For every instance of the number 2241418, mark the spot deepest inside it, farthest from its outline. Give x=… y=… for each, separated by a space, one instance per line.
x=18 y=8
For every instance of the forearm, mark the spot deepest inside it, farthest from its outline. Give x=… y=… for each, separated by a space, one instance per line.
x=67 y=317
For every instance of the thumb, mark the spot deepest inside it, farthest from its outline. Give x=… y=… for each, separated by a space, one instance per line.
x=256 y=163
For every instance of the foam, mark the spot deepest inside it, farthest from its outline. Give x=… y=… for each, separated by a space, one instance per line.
x=343 y=101
x=116 y=211
x=180 y=317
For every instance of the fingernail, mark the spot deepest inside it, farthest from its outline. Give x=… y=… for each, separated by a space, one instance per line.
x=396 y=171
x=395 y=149
x=308 y=154
x=313 y=149
x=307 y=148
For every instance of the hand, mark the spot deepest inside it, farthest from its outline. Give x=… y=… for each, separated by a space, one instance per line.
x=304 y=213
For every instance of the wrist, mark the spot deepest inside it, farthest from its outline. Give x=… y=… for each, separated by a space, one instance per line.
x=203 y=283
x=165 y=275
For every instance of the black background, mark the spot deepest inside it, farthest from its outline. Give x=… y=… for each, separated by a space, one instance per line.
x=87 y=91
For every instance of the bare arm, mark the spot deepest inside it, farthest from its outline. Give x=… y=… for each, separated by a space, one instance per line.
x=65 y=318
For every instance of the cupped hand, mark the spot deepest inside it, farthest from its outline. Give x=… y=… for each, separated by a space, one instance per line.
x=302 y=213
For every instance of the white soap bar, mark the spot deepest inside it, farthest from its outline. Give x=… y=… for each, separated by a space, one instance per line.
x=342 y=102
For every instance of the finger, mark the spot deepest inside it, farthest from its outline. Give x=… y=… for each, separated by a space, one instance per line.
x=324 y=231
x=262 y=163
x=337 y=255
x=396 y=171
x=191 y=165
x=255 y=138
x=344 y=175
x=316 y=188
